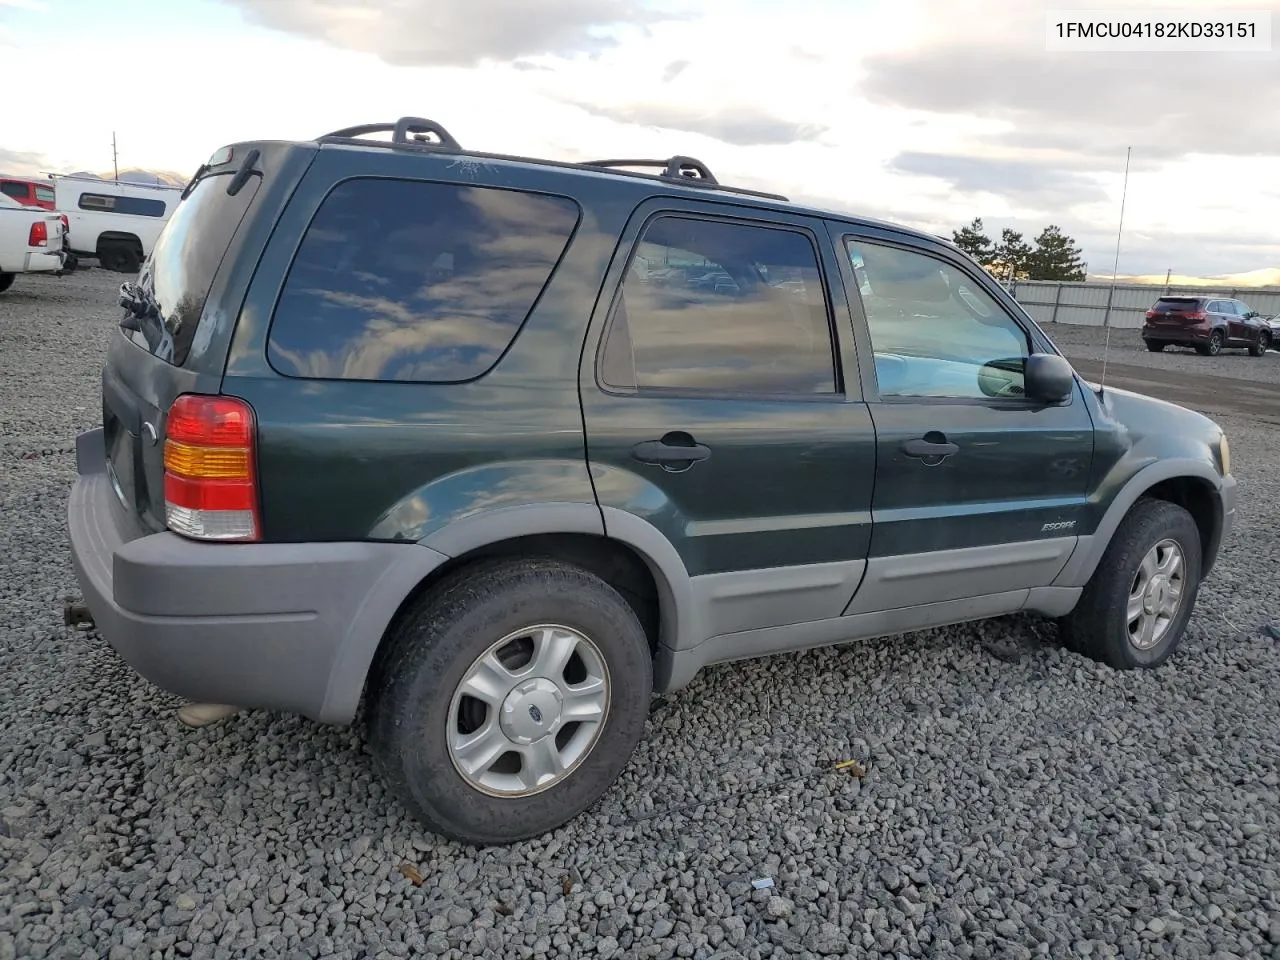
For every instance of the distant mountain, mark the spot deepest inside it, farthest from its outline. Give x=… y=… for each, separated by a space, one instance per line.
x=1266 y=277
x=148 y=177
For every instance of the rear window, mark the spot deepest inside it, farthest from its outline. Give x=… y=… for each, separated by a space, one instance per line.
x=411 y=281
x=1176 y=304
x=177 y=277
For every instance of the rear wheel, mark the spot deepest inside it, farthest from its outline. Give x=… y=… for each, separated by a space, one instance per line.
x=1135 y=608
x=508 y=699
x=1214 y=346
x=6 y=281
x=1259 y=347
x=1154 y=347
x=120 y=256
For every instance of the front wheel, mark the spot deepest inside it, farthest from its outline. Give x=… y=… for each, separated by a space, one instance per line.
x=1154 y=346
x=1259 y=347
x=6 y=281
x=509 y=699
x=1135 y=608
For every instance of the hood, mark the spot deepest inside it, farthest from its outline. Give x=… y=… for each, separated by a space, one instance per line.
x=1142 y=415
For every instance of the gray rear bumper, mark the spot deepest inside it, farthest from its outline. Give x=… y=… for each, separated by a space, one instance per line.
x=277 y=626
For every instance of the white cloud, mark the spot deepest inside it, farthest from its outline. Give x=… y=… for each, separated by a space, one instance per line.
x=925 y=111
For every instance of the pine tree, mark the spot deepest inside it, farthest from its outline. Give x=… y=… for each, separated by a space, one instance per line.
x=1056 y=257
x=1013 y=254
x=974 y=241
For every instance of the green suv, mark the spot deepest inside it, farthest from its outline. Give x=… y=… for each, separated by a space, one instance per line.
x=497 y=448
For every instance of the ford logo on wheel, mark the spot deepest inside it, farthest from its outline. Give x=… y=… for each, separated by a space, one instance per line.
x=535 y=714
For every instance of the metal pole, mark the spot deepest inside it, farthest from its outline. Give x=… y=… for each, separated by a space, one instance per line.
x=1057 y=299
x=115 y=160
x=1167 y=274
x=1115 y=267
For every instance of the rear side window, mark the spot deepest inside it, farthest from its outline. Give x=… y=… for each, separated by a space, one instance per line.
x=45 y=194
x=411 y=281
x=716 y=307
x=109 y=203
x=175 y=280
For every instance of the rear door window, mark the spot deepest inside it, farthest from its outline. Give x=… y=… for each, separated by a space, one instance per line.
x=413 y=281
x=721 y=308
x=175 y=281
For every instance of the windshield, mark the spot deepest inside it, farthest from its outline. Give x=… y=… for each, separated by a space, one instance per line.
x=175 y=280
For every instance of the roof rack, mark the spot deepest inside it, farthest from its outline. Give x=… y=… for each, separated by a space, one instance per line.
x=408 y=131
x=676 y=167
x=411 y=132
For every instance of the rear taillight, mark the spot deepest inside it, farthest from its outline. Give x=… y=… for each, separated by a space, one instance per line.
x=1196 y=316
x=66 y=224
x=39 y=235
x=210 y=470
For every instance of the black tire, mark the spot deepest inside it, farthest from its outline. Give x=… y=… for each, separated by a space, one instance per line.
x=1099 y=627
x=427 y=654
x=1154 y=347
x=6 y=281
x=130 y=260
x=1260 y=346
x=119 y=256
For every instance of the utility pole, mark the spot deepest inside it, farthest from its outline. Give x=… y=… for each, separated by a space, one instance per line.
x=115 y=160
x=1168 y=273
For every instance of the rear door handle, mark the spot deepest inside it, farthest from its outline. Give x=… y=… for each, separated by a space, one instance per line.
x=932 y=446
x=675 y=451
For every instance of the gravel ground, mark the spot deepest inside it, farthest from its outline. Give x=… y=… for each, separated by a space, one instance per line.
x=1016 y=801
x=1087 y=343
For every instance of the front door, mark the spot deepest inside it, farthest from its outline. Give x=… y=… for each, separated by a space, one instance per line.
x=718 y=411
x=979 y=491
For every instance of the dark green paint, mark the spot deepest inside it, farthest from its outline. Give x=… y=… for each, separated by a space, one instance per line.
x=788 y=482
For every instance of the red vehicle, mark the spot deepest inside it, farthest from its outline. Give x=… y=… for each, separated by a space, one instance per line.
x=1206 y=323
x=29 y=193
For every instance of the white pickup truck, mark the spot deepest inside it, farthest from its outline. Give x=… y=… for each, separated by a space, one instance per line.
x=30 y=241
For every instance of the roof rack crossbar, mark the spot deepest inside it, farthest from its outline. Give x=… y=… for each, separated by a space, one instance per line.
x=406 y=130
x=677 y=168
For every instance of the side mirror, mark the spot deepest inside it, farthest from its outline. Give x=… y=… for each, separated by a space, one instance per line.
x=1049 y=378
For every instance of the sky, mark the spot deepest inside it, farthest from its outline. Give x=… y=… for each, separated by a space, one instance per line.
x=924 y=112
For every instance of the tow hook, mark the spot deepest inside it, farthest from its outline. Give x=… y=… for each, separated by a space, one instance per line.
x=75 y=613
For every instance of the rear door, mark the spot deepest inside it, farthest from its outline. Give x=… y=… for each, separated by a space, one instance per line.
x=721 y=411
x=979 y=492
x=198 y=268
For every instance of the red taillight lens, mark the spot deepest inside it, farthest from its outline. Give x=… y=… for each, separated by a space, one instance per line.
x=210 y=471
x=66 y=224
x=39 y=235
x=1196 y=316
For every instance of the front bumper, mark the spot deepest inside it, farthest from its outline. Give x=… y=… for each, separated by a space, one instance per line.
x=281 y=626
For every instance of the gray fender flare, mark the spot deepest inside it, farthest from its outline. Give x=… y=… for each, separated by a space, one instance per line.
x=1088 y=552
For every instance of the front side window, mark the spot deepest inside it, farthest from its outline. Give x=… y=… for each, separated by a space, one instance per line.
x=414 y=281
x=934 y=331
x=717 y=307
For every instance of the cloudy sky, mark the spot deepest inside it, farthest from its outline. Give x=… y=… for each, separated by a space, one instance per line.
x=928 y=112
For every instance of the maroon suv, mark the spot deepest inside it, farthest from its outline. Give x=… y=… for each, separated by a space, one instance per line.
x=1206 y=323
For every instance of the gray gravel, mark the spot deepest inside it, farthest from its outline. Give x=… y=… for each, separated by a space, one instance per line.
x=1017 y=801
x=1087 y=343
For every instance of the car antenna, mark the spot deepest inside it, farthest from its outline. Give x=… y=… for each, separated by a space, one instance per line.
x=1115 y=267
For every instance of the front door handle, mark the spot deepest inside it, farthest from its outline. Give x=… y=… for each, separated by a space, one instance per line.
x=674 y=452
x=933 y=447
